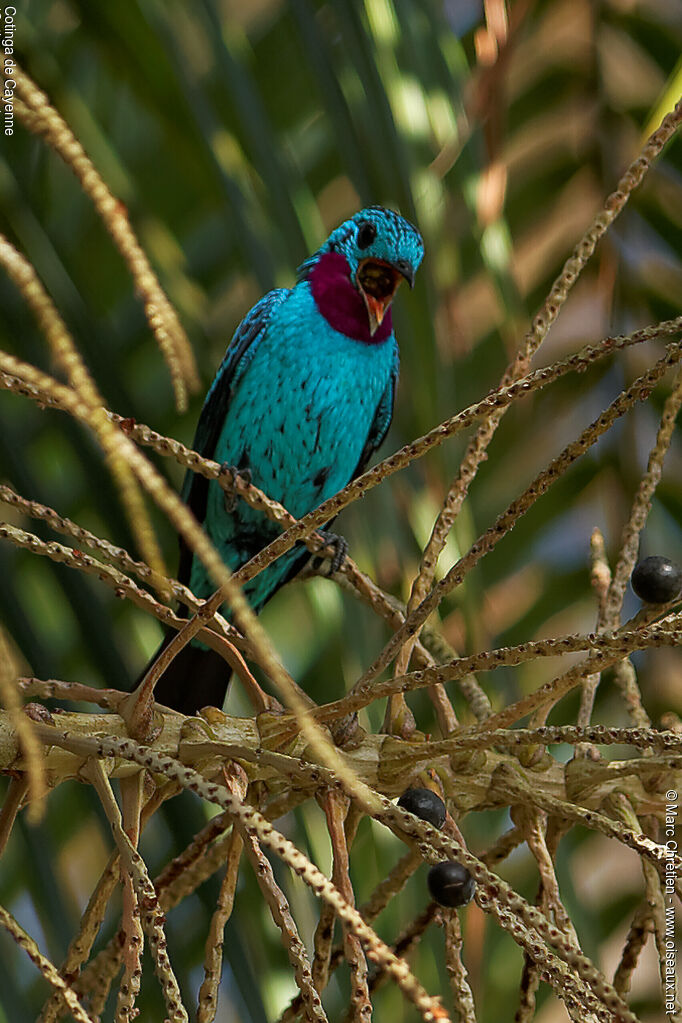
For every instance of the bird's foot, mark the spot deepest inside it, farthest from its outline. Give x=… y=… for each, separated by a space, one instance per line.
x=228 y=475
x=340 y=545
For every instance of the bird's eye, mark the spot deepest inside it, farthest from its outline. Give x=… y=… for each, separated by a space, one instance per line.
x=367 y=232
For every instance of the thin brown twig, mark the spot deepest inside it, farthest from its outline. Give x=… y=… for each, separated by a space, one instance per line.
x=14 y=796
x=131 y=923
x=122 y=585
x=369 y=911
x=281 y=914
x=459 y=986
x=213 y=958
x=641 y=927
x=336 y=807
x=112 y=554
x=47 y=968
x=10 y=698
x=81 y=945
x=42 y=119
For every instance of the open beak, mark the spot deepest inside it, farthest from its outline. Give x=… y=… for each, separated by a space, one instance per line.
x=378 y=282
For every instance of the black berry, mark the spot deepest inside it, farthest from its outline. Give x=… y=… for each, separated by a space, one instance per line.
x=451 y=884
x=425 y=804
x=656 y=580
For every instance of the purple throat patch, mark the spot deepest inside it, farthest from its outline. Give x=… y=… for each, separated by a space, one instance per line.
x=341 y=303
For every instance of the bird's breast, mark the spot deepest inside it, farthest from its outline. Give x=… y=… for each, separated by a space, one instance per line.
x=302 y=410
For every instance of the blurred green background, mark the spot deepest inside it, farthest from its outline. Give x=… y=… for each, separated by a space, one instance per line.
x=237 y=135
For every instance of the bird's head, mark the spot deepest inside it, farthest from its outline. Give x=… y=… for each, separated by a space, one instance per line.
x=370 y=253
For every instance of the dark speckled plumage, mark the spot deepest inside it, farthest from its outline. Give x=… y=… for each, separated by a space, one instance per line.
x=303 y=398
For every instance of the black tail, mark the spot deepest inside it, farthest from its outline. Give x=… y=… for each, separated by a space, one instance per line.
x=199 y=678
x=194 y=679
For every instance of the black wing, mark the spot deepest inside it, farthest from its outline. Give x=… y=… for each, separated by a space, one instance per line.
x=240 y=351
x=381 y=422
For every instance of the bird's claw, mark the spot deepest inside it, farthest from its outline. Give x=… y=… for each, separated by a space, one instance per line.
x=340 y=545
x=230 y=474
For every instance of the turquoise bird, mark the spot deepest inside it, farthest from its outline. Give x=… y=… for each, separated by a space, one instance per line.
x=302 y=399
